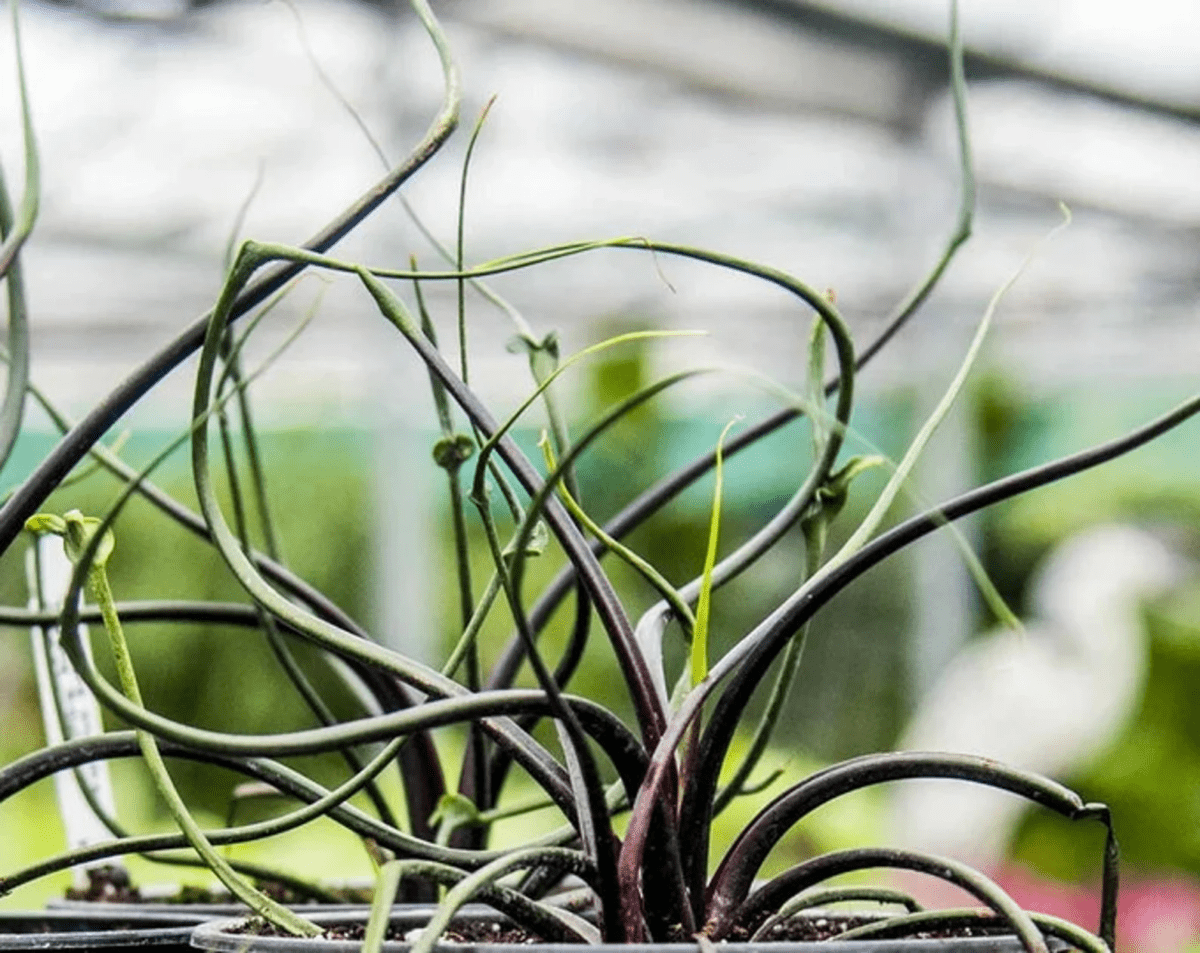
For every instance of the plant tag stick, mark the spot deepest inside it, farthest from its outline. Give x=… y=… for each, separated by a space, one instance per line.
x=80 y=712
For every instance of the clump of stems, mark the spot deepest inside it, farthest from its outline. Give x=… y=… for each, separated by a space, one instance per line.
x=662 y=769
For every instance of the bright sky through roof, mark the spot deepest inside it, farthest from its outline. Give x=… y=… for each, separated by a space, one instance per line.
x=1152 y=46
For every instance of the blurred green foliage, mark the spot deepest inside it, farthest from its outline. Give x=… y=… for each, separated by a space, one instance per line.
x=1147 y=774
x=220 y=677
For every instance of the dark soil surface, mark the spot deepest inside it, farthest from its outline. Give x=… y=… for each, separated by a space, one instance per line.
x=473 y=931
x=481 y=931
x=822 y=928
x=111 y=885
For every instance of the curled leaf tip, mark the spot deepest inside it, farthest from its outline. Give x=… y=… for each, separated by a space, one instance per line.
x=46 y=523
x=76 y=530
x=455 y=808
x=527 y=344
x=453 y=451
x=699 y=654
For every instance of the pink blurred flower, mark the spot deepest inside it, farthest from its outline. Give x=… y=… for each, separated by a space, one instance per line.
x=1154 y=914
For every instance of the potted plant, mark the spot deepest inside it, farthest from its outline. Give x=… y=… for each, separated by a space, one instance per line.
x=662 y=770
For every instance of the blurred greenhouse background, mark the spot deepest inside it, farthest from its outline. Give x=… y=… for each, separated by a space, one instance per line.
x=814 y=136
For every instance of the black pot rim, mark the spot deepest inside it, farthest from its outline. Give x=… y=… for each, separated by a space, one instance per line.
x=198 y=911
x=76 y=930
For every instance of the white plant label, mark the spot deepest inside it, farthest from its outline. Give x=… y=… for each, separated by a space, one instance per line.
x=80 y=712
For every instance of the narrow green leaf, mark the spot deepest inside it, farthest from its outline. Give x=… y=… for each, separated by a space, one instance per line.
x=888 y=495
x=815 y=385
x=458 y=257
x=13 y=233
x=386 y=885
x=699 y=660
x=28 y=209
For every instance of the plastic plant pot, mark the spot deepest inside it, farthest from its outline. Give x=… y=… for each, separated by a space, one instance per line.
x=110 y=930
x=196 y=912
x=165 y=899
